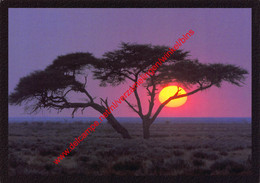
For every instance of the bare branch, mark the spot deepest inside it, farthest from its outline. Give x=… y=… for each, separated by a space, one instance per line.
x=129 y=72
x=175 y=96
x=149 y=92
x=85 y=83
x=64 y=95
x=105 y=102
x=82 y=110
x=74 y=110
x=151 y=100
x=128 y=77
x=140 y=112
x=132 y=107
x=83 y=90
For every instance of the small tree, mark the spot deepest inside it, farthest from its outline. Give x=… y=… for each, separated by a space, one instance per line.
x=131 y=60
x=50 y=88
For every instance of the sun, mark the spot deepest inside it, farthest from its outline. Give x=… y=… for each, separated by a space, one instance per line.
x=169 y=91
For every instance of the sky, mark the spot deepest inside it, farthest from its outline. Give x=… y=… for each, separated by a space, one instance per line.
x=38 y=36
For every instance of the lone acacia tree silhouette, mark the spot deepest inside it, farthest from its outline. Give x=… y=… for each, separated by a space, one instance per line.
x=53 y=88
x=131 y=60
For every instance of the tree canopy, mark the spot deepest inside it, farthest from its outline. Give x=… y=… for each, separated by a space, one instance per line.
x=191 y=72
x=131 y=60
x=49 y=88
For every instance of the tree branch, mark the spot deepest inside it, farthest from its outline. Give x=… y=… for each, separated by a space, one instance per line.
x=138 y=101
x=83 y=90
x=151 y=101
x=67 y=92
x=127 y=76
x=85 y=83
x=129 y=72
x=175 y=96
x=68 y=105
x=74 y=110
x=105 y=102
x=132 y=107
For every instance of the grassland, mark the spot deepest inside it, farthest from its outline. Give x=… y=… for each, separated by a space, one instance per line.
x=173 y=149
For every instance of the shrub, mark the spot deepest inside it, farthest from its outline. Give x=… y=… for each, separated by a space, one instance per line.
x=175 y=164
x=58 y=147
x=216 y=149
x=201 y=172
x=95 y=166
x=158 y=166
x=18 y=148
x=14 y=162
x=27 y=152
x=127 y=165
x=94 y=163
x=28 y=171
x=160 y=135
x=198 y=162
x=45 y=152
x=223 y=153
x=206 y=146
x=231 y=166
x=84 y=158
x=119 y=151
x=238 y=148
x=236 y=168
x=203 y=155
x=49 y=167
x=220 y=165
x=176 y=147
x=249 y=160
x=72 y=152
x=107 y=153
x=190 y=147
x=178 y=153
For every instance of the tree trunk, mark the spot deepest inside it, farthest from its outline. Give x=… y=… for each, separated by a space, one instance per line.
x=146 y=129
x=113 y=122
x=118 y=127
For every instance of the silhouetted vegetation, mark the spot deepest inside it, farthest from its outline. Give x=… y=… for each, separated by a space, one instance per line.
x=107 y=154
x=52 y=87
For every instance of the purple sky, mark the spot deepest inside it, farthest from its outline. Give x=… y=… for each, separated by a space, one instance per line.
x=38 y=36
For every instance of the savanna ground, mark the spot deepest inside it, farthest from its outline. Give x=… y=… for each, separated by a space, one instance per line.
x=173 y=149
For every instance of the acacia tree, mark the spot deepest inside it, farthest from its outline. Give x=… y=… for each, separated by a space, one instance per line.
x=53 y=87
x=131 y=60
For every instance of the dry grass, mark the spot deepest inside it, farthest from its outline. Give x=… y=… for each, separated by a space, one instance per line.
x=173 y=149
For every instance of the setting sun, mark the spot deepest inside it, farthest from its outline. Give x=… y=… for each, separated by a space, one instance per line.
x=169 y=91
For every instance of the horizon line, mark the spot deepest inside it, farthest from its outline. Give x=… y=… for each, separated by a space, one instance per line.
x=127 y=117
